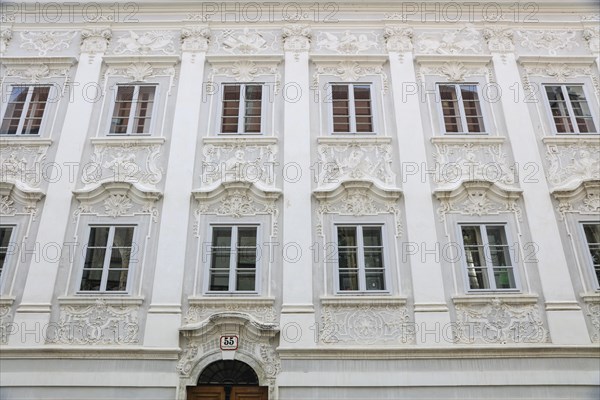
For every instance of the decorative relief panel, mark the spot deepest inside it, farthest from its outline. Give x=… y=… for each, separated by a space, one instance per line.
x=358 y=198
x=243 y=160
x=237 y=200
x=6 y=34
x=95 y=324
x=23 y=163
x=296 y=37
x=124 y=160
x=355 y=159
x=569 y=164
x=592 y=36
x=454 y=71
x=116 y=199
x=498 y=322
x=350 y=71
x=36 y=72
x=458 y=162
x=348 y=42
x=584 y=199
x=95 y=40
x=152 y=42
x=141 y=71
x=365 y=324
x=5 y=320
x=592 y=311
x=548 y=41
x=478 y=198
x=466 y=40
x=44 y=42
x=246 y=41
x=262 y=311
x=246 y=71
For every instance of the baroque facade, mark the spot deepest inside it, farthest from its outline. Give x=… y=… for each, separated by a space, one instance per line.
x=300 y=200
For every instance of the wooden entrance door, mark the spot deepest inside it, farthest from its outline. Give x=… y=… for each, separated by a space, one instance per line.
x=219 y=393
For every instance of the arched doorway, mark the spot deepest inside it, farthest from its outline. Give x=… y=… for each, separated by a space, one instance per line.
x=227 y=380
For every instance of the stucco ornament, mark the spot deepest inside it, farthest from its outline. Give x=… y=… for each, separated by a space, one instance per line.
x=593 y=313
x=497 y=322
x=195 y=38
x=460 y=41
x=95 y=40
x=550 y=41
x=6 y=34
x=347 y=42
x=246 y=41
x=99 y=323
x=592 y=36
x=148 y=42
x=5 y=319
x=44 y=42
x=398 y=38
x=499 y=39
x=570 y=164
x=22 y=164
x=296 y=37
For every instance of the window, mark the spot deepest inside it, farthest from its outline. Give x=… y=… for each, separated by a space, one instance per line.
x=133 y=109
x=233 y=259
x=360 y=258
x=242 y=108
x=25 y=110
x=487 y=257
x=569 y=109
x=592 y=236
x=351 y=108
x=461 y=108
x=5 y=234
x=107 y=259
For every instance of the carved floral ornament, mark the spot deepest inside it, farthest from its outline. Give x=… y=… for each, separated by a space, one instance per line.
x=46 y=41
x=6 y=34
x=100 y=323
x=570 y=164
x=195 y=38
x=151 y=42
x=116 y=199
x=359 y=198
x=35 y=72
x=398 y=38
x=237 y=200
x=592 y=36
x=455 y=71
x=18 y=201
x=584 y=199
x=95 y=40
x=498 y=322
x=246 y=71
x=499 y=39
x=350 y=71
x=466 y=40
x=296 y=37
x=200 y=344
x=551 y=41
x=142 y=70
x=478 y=198
x=347 y=42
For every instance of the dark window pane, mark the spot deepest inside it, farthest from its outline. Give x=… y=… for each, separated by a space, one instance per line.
x=348 y=280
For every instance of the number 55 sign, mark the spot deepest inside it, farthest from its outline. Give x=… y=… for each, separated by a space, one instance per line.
x=229 y=342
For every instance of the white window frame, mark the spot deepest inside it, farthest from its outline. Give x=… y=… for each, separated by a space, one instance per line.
x=105 y=265
x=7 y=257
x=487 y=258
x=352 y=111
x=233 y=260
x=26 y=110
x=361 y=260
x=588 y=256
x=569 y=108
x=242 y=109
x=461 y=108
x=131 y=118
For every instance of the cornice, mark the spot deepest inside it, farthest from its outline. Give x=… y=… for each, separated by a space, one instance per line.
x=90 y=352
x=571 y=59
x=462 y=139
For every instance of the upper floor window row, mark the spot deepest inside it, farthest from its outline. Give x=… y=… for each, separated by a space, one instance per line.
x=569 y=109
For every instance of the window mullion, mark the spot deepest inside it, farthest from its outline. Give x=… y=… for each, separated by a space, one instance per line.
x=233 y=259
x=565 y=93
x=461 y=108
x=132 y=109
x=488 y=257
x=351 y=108
x=107 y=256
x=242 y=109
x=30 y=90
x=362 y=286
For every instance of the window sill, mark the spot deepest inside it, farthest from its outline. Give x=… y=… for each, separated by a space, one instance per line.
x=231 y=299
x=505 y=297
x=129 y=139
x=24 y=139
x=472 y=138
x=220 y=139
x=366 y=139
x=591 y=297
x=358 y=299
x=110 y=299
x=566 y=139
